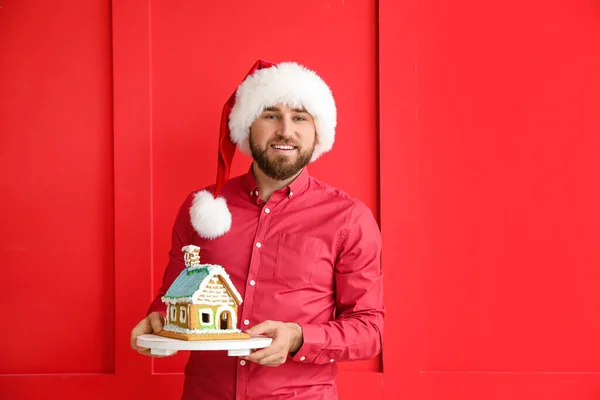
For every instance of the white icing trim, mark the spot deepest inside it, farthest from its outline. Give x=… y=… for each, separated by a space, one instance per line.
x=216 y=302
x=174 y=328
x=216 y=270
x=190 y=248
x=209 y=311
x=182 y=314
x=178 y=300
x=173 y=313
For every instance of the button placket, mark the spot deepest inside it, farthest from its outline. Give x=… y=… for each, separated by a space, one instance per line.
x=241 y=380
x=254 y=263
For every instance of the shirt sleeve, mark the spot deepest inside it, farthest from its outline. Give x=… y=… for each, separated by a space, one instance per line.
x=356 y=332
x=181 y=236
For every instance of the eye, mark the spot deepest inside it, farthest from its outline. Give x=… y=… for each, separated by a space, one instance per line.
x=300 y=118
x=270 y=116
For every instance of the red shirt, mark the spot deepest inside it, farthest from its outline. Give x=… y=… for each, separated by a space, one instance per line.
x=310 y=255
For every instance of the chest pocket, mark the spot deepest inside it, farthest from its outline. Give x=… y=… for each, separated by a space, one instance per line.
x=297 y=257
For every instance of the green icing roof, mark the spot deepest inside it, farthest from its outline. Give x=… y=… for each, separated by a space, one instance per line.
x=187 y=282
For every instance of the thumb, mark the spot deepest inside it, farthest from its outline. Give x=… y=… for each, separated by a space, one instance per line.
x=264 y=328
x=156 y=321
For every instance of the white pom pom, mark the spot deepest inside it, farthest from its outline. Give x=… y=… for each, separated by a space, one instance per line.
x=210 y=217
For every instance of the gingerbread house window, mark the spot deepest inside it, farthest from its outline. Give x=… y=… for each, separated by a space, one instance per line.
x=182 y=315
x=206 y=316
x=173 y=313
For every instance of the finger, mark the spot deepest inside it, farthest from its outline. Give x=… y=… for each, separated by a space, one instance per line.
x=134 y=344
x=148 y=352
x=264 y=328
x=156 y=322
x=133 y=341
x=141 y=328
x=273 y=360
x=137 y=331
x=258 y=355
x=145 y=351
x=269 y=351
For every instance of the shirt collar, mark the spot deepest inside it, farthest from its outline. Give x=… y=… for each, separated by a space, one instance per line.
x=300 y=183
x=296 y=187
x=248 y=182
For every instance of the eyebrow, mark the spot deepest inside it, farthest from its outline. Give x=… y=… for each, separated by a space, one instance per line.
x=275 y=109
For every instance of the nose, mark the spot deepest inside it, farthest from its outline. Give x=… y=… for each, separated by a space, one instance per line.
x=286 y=130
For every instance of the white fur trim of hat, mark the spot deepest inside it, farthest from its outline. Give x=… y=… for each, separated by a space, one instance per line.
x=286 y=83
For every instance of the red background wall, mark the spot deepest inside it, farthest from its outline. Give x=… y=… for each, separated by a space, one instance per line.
x=56 y=169
x=470 y=129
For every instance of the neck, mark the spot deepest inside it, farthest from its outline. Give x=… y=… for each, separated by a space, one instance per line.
x=269 y=185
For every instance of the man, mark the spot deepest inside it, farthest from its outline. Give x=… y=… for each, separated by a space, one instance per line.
x=304 y=256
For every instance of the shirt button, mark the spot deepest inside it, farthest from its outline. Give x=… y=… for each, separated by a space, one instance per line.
x=252 y=283
x=242 y=362
x=267 y=210
x=291 y=194
x=302 y=358
x=246 y=322
x=256 y=192
x=331 y=360
x=258 y=244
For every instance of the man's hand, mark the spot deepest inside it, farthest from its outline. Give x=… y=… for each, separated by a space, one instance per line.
x=287 y=338
x=153 y=323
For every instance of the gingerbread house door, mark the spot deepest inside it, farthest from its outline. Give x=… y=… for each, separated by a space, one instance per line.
x=225 y=319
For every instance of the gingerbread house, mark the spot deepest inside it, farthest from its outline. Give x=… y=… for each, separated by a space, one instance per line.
x=202 y=302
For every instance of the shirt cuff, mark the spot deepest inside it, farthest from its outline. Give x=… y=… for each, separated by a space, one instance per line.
x=314 y=339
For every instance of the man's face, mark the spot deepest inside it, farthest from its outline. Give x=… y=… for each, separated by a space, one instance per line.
x=282 y=141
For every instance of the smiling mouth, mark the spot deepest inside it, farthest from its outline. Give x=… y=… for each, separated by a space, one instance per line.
x=283 y=147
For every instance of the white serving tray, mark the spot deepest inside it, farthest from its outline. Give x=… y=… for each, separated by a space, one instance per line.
x=164 y=346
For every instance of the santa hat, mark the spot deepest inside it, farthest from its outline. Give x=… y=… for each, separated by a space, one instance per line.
x=265 y=85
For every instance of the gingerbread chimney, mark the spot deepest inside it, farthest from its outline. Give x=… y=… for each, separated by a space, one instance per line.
x=191 y=256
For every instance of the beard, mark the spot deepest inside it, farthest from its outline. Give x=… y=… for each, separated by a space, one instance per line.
x=279 y=167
